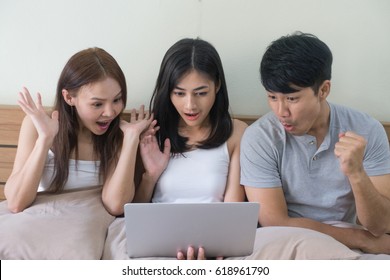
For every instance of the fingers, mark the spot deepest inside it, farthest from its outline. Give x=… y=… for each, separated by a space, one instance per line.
x=191 y=254
x=39 y=100
x=141 y=112
x=201 y=254
x=54 y=115
x=350 y=152
x=348 y=140
x=180 y=256
x=27 y=103
x=133 y=115
x=167 y=146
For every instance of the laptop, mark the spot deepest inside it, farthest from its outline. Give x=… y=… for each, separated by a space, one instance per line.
x=225 y=229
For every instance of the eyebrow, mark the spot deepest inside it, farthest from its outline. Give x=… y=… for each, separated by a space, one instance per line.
x=198 y=88
x=102 y=99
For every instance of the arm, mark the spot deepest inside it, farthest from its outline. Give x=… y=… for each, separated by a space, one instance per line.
x=372 y=194
x=235 y=191
x=273 y=212
x=35 y=139
x=118 y=189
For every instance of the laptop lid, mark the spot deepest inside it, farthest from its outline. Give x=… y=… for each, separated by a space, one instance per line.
x=225 y=229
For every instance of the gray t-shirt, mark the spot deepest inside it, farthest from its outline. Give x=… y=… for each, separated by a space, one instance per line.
x=312 y=181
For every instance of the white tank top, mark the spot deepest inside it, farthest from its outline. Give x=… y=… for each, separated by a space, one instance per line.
x=84 y=175
x=196 y=176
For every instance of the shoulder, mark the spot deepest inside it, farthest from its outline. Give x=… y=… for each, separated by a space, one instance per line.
x=267 y=126
x=235 y=138
x=239 y=126
x=346 y=118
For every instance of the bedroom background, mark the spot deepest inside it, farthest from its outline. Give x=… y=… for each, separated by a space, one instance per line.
x=38 y=37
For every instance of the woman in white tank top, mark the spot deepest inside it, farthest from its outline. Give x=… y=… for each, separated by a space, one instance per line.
x=83 y=142
x=193 y=154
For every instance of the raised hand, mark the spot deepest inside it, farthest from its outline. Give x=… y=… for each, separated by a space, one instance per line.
x=350 y=152
x=46 y=126
x=153 y=159
x=138 y=123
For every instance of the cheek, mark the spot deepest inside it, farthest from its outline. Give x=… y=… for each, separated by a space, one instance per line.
x=87 y=114
x=210 y=102
x=175 y=102
x=119 y=108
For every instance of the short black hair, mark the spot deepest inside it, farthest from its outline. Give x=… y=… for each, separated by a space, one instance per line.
x=296 y=61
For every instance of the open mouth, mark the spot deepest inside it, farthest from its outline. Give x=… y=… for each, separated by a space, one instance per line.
x=103 y=125
x=287 y=126
x=192 y=116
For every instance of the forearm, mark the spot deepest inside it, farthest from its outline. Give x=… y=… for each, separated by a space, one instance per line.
x=235 y=194
x=144 y=191
x=21 y=187
x=373 y=209
x=353 y=238
x=119 y=187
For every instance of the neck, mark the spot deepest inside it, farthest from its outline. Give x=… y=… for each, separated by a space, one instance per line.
x=321 y=125
x=195 y=134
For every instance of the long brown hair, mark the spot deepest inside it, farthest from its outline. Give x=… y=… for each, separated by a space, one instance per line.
x=85 y=67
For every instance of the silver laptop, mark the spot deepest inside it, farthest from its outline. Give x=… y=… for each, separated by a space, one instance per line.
x=225 y=229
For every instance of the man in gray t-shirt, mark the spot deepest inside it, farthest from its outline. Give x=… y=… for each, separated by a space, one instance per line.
x=309 y=161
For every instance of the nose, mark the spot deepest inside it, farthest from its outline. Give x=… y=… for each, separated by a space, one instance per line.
x=282 y=109
x=190 y=102
x=109 y=111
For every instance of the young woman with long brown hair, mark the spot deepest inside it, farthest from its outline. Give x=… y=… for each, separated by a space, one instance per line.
x=83 y=142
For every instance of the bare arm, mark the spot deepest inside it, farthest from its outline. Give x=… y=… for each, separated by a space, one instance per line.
x=372 y=194
x=35 y=139
x=234 y=191
x=119 y=187
x=274 y=213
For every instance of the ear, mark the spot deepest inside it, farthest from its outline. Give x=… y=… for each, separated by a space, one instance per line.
x=67 y=97
x=324 y=89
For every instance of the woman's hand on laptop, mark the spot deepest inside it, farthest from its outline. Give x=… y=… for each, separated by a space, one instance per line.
x=191 y=254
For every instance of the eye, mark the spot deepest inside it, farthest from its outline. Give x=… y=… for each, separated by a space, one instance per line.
x=202 y=93
x=271 y=97
x=292 y=99
x=97 y=105
x=179 y=93
x=117 y=100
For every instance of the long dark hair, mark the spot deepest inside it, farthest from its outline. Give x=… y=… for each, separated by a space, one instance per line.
x=184 y=56
x=85 y=67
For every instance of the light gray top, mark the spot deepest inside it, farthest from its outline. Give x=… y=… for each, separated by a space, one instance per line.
x=313 y=183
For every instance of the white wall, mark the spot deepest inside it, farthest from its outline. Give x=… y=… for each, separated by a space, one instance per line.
x=38 y=37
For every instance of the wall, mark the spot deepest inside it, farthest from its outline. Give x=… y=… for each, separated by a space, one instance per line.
x=37 y=38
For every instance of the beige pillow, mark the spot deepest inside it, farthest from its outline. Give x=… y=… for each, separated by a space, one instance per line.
x=288 y=243
x=71 y=225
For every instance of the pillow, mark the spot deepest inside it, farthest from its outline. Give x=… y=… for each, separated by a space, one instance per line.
x=70 y=225
x=288 y=243
x=115 y=247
